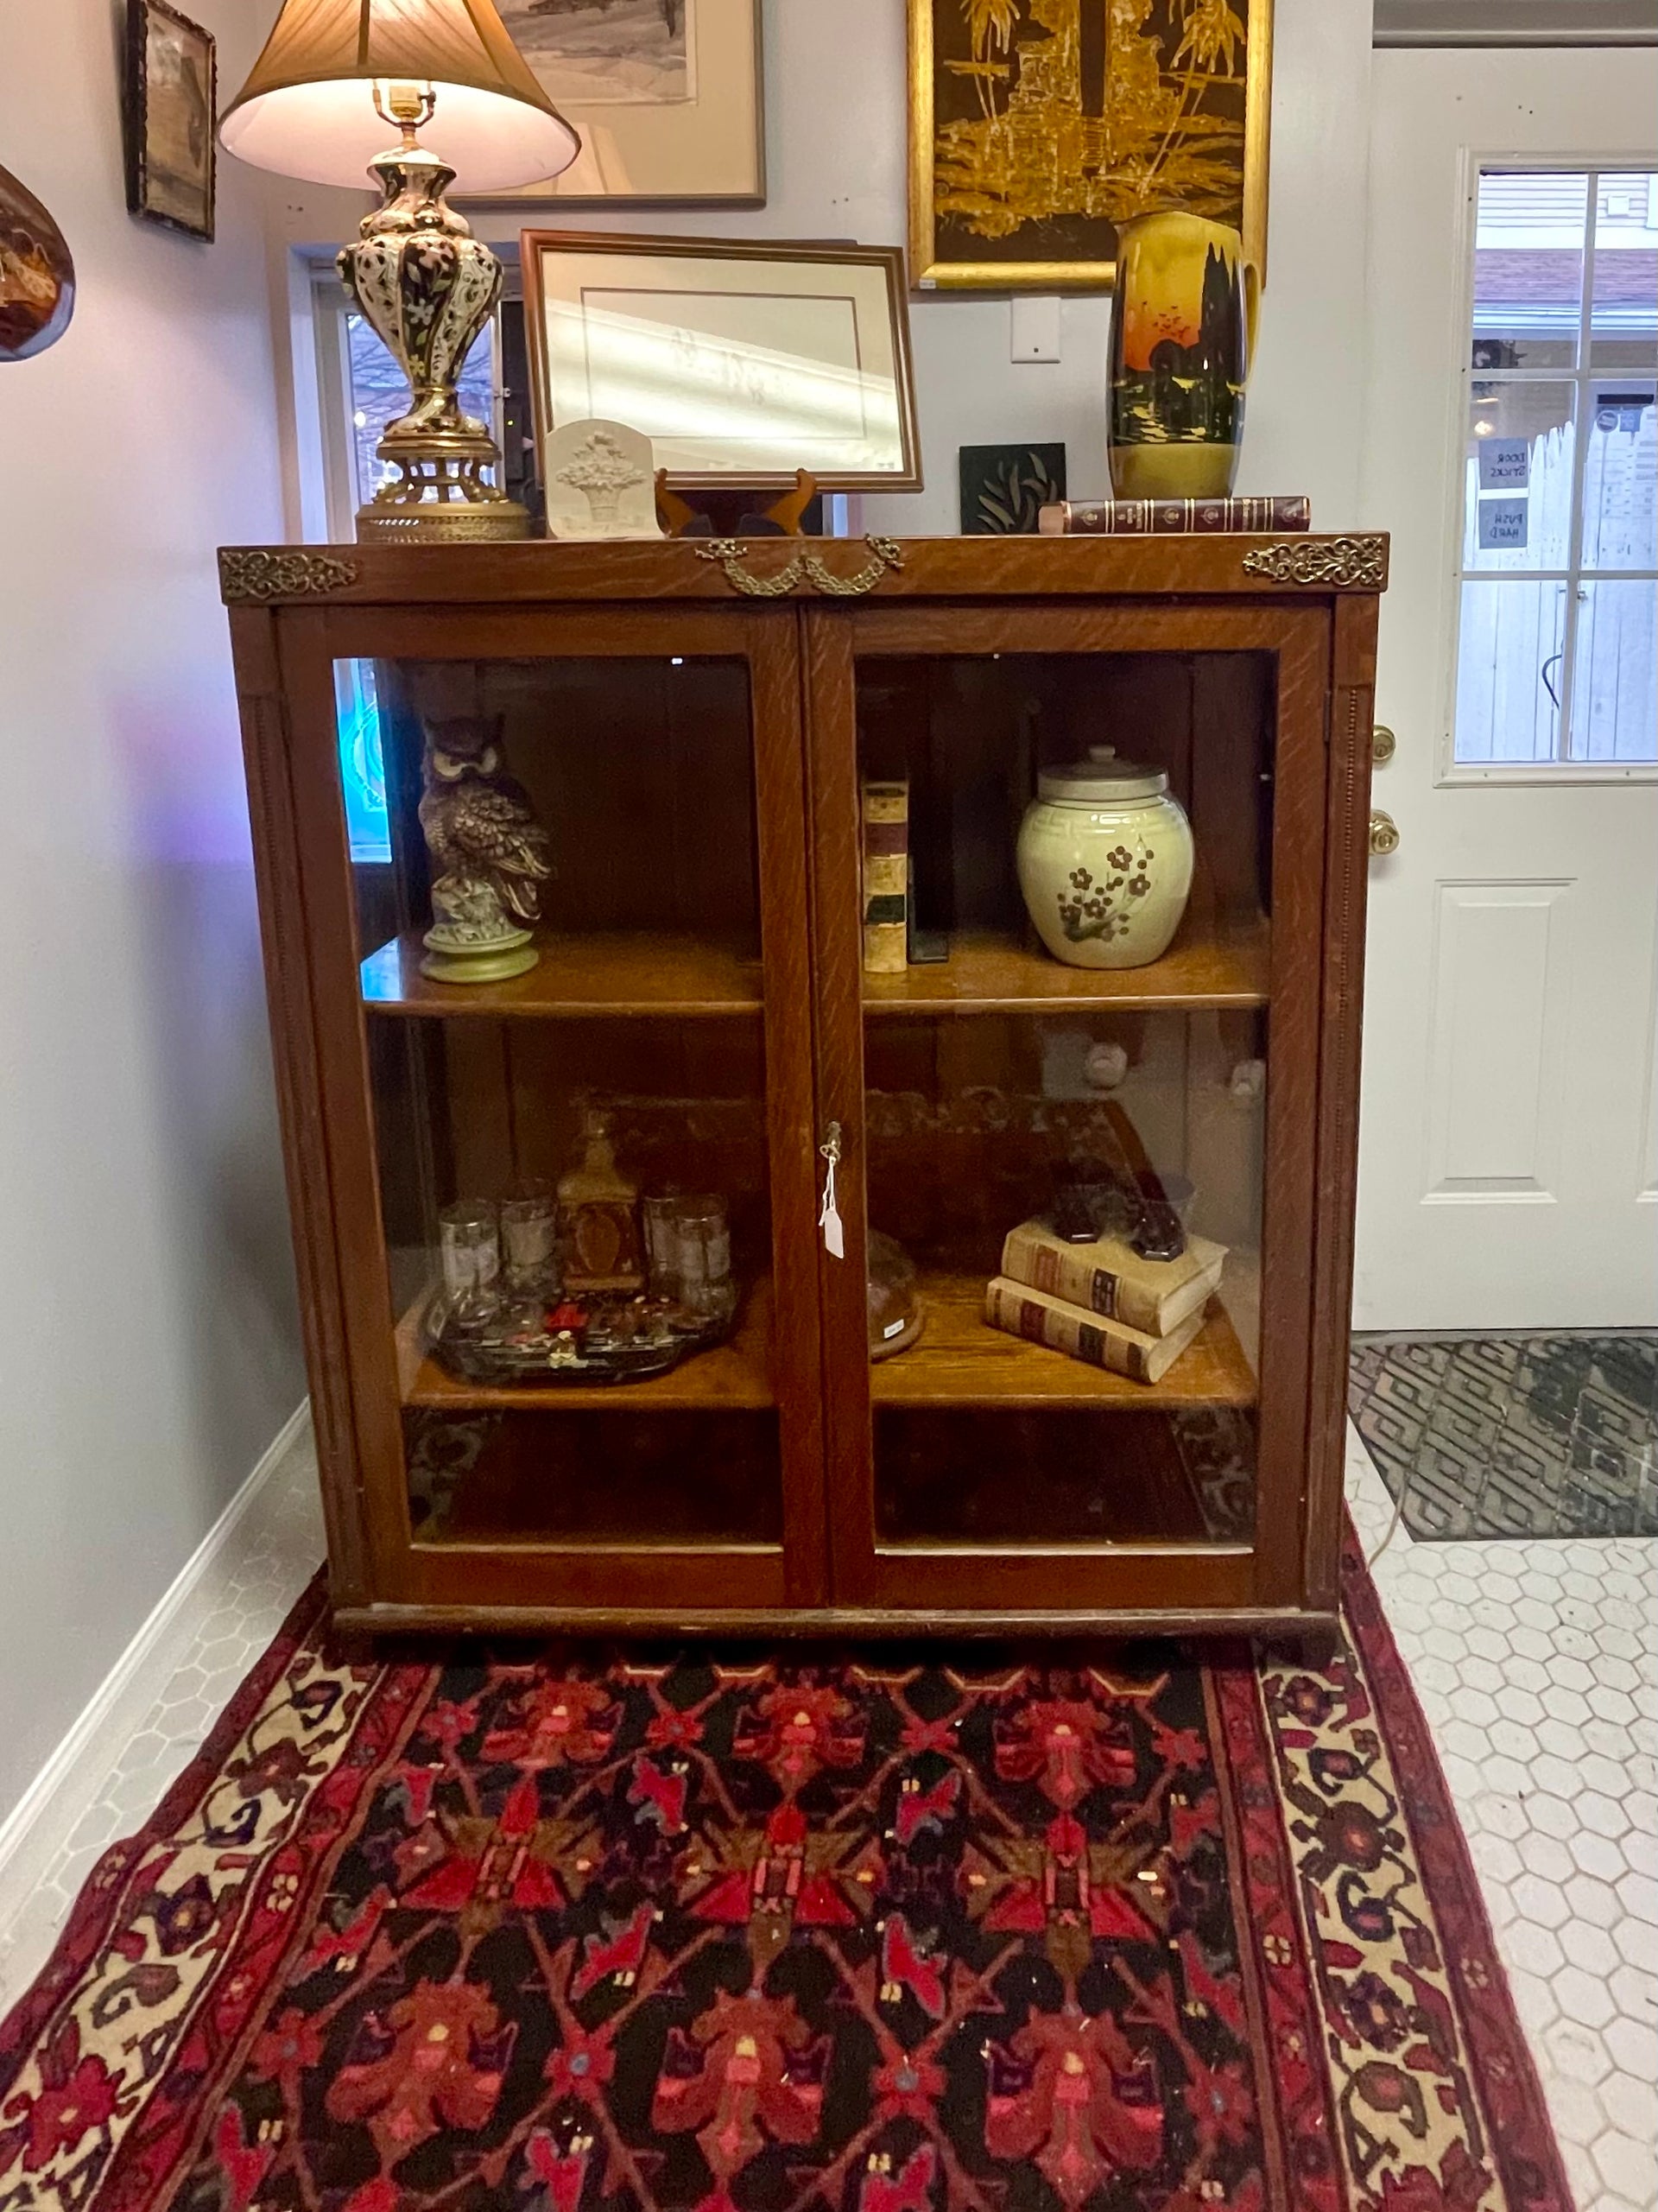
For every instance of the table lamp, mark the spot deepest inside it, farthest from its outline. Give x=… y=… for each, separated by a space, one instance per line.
x=333 y=77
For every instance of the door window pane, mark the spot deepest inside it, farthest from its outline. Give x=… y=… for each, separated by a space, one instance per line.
x=1559 y=531
x=1519 y=458
x=1510 y=659
x=1625 y=313
x=1620 y=477
x=1528 y=271
x=1614 y=701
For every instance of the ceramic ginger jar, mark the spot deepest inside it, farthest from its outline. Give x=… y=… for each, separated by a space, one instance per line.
x=1104 y=861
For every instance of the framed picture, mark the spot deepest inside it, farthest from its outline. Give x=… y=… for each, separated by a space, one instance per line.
x=1037 y=126
x=665 y=93
x=1005 y=488
x=172 y=104
x=742 y=363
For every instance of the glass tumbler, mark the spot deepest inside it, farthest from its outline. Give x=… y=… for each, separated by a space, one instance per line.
x=704 y=1237
x=469 y=1242
x=529 y=1240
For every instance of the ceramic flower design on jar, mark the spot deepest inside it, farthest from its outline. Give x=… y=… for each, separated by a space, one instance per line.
x=1105 y=862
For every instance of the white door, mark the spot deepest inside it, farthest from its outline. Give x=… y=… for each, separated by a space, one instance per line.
x=1509 y=1157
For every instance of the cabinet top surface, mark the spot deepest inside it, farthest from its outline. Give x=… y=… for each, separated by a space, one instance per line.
x=1300 y=565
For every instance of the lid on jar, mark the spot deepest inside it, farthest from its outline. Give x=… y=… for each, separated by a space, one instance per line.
x=1102 y=778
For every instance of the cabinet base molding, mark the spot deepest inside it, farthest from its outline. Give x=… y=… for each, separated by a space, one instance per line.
x=798 y=1621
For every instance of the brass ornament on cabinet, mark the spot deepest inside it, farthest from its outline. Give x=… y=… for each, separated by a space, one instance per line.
x=1383 y=744
x=1385 y=835
x=1355 y=564
x=260 y=576
x=805 y=568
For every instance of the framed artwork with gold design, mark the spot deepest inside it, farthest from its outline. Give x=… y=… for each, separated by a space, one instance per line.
x=1037 y=126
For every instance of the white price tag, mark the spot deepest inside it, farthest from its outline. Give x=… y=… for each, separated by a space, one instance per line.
x=1504 y=463
x=829 y=1221
x=834 y=1229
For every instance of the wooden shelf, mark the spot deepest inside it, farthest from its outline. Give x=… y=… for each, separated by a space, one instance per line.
x=731 y=1376
x=577 y=978
x=987 y=973
x=961 y=1360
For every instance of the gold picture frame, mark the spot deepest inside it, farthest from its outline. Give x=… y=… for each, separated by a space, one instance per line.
x=812 y=340
x=1047 y=125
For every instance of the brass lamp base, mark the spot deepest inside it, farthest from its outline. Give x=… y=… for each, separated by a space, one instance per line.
x=426 y=287
x=440 y=496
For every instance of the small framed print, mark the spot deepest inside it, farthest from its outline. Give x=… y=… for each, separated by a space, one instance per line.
x=172 y=104
x=743 y=362
x=666 y=94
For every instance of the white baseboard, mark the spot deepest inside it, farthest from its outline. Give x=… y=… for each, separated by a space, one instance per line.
x=69 y=1784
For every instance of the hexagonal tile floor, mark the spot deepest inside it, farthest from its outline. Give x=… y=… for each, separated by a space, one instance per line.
x=1536 y=1665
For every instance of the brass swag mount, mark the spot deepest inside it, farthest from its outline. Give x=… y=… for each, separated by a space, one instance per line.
x=730 y=554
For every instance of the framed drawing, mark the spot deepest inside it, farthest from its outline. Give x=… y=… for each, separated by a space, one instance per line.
x=1037 y=126
x=666 y=94
x=172 y=104
x=742 y=362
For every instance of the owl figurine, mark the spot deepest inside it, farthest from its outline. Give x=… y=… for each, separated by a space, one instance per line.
x=489 y=855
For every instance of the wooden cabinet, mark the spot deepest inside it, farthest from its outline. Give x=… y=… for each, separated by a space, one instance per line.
x=691 y=723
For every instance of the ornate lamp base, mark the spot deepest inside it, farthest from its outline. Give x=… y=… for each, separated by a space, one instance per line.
x=450 y=959
x=440 y=495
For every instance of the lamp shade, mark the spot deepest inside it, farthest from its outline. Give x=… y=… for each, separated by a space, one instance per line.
x=307 y=108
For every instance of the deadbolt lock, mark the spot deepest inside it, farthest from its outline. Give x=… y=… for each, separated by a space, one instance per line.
x=1383 y=744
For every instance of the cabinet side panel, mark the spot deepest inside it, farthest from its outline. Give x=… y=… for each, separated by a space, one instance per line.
x=1288 y=1300
x=299 y=1097
x=1347 y=851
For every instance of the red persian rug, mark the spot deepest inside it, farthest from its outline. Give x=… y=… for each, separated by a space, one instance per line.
x=781 y=1933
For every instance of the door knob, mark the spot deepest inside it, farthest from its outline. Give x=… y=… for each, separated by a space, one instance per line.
x=1385 y=835
x=1383 y=744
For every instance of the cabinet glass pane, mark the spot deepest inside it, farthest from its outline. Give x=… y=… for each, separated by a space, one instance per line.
x=571 y=1160
x=1065 y=1162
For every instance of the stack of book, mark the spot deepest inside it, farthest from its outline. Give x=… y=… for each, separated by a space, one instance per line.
x=1101 y=1301
x=885 y=810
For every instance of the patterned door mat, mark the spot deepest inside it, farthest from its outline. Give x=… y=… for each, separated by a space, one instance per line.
x=1523 y=1436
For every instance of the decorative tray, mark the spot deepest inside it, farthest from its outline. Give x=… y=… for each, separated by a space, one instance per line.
x=602 y=1338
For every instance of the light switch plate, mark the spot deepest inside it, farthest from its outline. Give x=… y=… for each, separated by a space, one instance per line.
x=1034 y=321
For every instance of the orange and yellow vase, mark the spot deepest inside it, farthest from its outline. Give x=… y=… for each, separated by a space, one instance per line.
x=1183 y=331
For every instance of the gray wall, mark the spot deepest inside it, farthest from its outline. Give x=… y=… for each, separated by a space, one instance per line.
x=148 y=1344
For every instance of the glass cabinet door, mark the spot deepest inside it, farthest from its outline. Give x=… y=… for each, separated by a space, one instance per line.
x=574 y=1248
x=1074 y=1094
